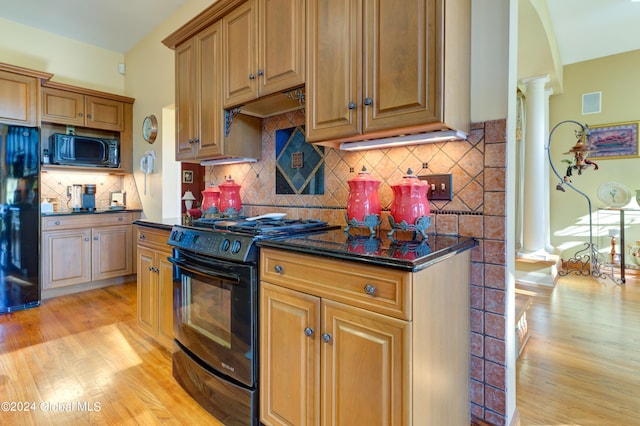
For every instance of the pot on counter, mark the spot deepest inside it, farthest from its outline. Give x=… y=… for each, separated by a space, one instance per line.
x=210 y=199
x=410 y=201
x=230 y=202
x=363 y=196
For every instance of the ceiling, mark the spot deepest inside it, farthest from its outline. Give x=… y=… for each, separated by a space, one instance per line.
x=115 y=25
x=584 y=29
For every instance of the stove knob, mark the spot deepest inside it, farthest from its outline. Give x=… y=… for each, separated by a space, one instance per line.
x=180 y=236
x=225 y=245
x=237 y=245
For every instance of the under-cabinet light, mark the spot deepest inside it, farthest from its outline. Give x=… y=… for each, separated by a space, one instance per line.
x=416 y=139
x=223 y=161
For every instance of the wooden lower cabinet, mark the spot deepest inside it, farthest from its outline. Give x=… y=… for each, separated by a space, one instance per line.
x=85 y=249
x=155 y=285
x=335 y=353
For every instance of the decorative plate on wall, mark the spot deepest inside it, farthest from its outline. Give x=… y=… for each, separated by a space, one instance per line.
x=614 y=194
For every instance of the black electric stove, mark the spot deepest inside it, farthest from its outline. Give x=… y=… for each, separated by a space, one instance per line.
x=234 y=238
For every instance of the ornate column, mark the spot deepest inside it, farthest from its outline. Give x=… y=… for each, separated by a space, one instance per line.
x=536 y=176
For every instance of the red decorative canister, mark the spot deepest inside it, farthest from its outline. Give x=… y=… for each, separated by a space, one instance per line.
x=410 y=199
x=230 y=196
x=210 y=198
x=363 y=196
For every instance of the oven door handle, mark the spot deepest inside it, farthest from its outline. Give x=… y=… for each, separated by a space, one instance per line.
x=203 y=271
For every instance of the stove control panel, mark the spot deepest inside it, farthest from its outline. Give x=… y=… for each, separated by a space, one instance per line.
x=221 y=244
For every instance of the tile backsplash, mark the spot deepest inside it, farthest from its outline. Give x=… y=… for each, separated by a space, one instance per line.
x=54 y=188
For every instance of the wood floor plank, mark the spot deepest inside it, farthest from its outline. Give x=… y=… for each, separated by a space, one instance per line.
x=81 y=359
x=581 y=365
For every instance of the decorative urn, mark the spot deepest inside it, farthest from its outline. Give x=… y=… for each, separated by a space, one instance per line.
x=410 y=199
x=210 y=199
x=230 y=202
x=363 y=196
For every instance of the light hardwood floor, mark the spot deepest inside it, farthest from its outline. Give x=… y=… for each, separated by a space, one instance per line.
x=582 y=363
x=81 y=359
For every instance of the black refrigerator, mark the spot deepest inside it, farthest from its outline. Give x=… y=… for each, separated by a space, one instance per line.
x=19 y=218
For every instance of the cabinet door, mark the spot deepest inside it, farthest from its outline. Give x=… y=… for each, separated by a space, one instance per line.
x=111 y=252
x=210 y=113
x=165 y=300
x=101 y=113
x=334 y=69
x=147 y=291
x=289 y=358
x=66 y=257
x=18 y=99
x=281 y=51
x=240 y=35
x=186 y=99
x=63 y=107
x=400 y=74
x=365 y=370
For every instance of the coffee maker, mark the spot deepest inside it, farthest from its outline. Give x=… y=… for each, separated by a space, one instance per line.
x=89 y=197
x=83 y=197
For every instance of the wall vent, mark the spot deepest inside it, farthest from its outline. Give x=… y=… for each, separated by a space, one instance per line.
x=591 y=103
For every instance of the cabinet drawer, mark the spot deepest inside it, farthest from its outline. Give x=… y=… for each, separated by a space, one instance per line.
x=153 y=238
x=342 y=281
x=50 y=223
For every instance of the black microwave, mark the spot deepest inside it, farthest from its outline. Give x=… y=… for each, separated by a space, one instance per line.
x=73 y=150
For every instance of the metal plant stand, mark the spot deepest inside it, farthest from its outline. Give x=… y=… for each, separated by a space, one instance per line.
x=587 y=261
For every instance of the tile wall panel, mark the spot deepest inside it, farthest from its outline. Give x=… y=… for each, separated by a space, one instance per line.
x=478 y=166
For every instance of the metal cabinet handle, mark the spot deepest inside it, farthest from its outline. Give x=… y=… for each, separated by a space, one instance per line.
x=142 y=237
x=308 y=331
x=279 y=269
x=368 y=101
x=86 y=239
x=120 y=219
x=326 y=337
x=352 y=105
x=252 y=77
x=57 y=222
x=88 y=115
x=370 y=289
x=95 y=238
x=79 y=114
x=260 y=72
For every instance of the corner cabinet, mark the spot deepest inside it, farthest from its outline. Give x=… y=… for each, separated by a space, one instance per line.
x=376 y=67
x=86 y=248
x=155 y=285
x=20 y=95
x=264 y=49
x=343 y=342
x=199 y=115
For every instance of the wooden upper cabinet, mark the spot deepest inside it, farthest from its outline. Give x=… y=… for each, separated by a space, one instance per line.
x=199 y=113
x=375 y=67
x=20 y=94
x=264 y=49
x=76 y=109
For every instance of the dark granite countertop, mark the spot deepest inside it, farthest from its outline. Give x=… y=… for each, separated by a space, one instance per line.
x=412 y=255
x=85 y=212
x=165 y=223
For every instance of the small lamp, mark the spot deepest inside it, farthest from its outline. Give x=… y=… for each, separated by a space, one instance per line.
x=188 y=199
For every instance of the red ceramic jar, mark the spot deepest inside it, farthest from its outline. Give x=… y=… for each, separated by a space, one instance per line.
x=363 y=196
x=230 y=196
x=210 y=198
x=410 y=199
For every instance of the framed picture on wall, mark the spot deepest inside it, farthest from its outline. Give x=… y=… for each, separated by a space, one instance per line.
x=187 y=176
x=609 y=141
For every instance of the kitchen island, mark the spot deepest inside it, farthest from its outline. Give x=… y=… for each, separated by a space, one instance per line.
x=360 y=330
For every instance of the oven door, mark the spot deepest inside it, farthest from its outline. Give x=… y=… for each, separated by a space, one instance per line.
x=215 y=313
